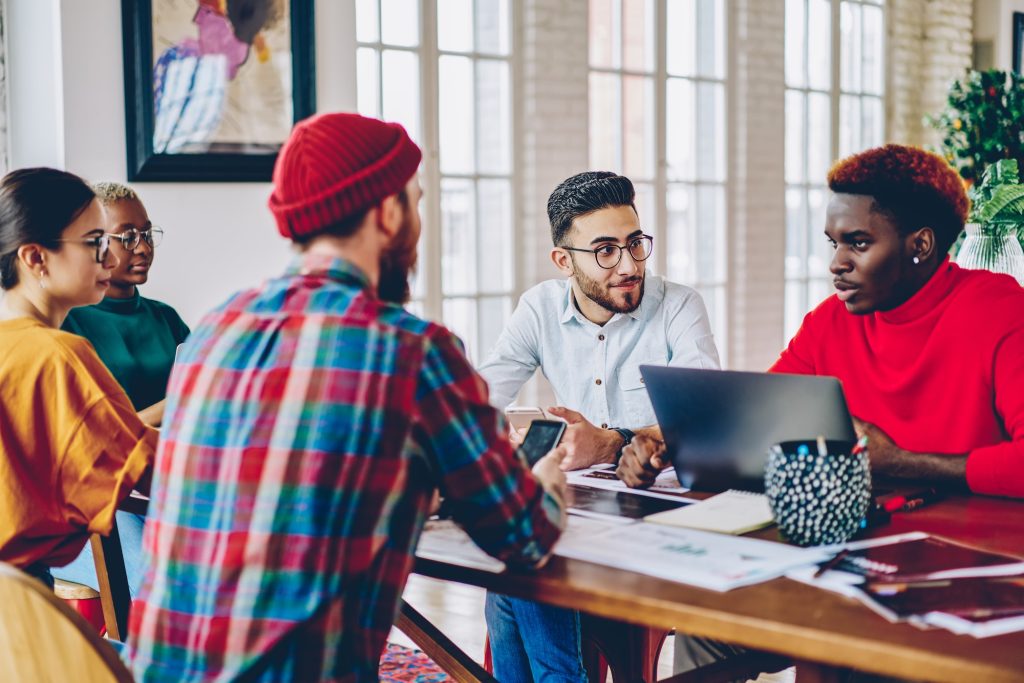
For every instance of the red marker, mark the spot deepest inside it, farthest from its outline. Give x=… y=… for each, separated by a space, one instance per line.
x=912 y=501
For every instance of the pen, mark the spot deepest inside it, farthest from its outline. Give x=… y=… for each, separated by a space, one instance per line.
x=822 y=448
x=833 y=563
x=895 y=588
x=861 y=444
x=916 y=500
x=912 y=501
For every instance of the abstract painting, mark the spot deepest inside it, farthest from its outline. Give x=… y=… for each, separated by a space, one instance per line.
x=212 y=87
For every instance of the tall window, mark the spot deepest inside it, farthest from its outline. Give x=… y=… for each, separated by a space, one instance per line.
x=835 y=80
x=657 y=115
x=451 y=86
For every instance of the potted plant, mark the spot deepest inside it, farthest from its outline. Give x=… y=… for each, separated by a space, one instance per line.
x=983 y=121
x=995 y=221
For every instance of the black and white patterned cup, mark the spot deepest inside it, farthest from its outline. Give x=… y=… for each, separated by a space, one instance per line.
x=817 y=499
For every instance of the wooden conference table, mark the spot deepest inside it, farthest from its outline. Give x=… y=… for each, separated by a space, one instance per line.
x=821 y=632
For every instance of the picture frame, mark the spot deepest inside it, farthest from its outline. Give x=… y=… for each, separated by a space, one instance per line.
x=1018 y=39
x=211 y=98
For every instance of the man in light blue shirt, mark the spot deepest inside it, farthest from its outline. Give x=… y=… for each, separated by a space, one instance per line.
x=589 y=334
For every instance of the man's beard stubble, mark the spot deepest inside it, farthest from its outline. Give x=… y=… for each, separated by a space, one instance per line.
x=600 y=295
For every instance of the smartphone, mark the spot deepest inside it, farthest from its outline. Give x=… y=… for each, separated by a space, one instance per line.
x=542 y=436
x=521 y=416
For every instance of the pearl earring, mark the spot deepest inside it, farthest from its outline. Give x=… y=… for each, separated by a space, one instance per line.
x=916 y=260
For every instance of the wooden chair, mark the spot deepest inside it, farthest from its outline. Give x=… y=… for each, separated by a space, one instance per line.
x=42 y=639
x=115 y=598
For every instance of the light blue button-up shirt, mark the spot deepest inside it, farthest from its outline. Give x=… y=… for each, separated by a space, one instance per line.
x=595 y=369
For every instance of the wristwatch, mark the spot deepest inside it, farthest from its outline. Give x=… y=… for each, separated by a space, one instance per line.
x=627 y=436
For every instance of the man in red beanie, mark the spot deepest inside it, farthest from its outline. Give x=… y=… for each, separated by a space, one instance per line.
x=309 y=422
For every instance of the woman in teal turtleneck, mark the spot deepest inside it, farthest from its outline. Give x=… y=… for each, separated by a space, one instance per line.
x=136 y=338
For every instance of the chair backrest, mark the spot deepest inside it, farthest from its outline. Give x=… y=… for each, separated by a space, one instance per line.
x=42 y=639
x=115 y=599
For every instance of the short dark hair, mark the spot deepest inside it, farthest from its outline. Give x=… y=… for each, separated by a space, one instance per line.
x=586 y=193
x=36 y=204
x=912 y=187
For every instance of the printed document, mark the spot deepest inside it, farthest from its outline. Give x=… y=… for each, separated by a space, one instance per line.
x=697 y=558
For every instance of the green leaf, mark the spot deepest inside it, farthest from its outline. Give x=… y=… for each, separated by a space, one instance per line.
x=1004 y=172
x=1004 y=203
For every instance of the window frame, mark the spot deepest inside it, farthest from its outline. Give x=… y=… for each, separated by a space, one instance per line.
x=806 y=280
x=655 y=221
x=430 y=286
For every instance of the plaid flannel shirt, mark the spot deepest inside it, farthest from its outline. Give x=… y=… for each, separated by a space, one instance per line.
x=307 y=425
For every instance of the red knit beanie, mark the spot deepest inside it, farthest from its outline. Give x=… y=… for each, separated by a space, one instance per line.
x=336 y=165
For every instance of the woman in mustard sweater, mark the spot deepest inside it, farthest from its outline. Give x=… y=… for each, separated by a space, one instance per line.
x=71 y=444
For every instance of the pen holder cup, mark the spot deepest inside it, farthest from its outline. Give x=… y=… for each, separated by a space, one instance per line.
x=817 y=499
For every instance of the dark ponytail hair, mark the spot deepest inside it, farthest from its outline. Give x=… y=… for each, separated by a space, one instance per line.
x=36 y=204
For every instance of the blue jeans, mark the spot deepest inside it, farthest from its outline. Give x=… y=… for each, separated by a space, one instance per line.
x=83 y=570
x=533 y=642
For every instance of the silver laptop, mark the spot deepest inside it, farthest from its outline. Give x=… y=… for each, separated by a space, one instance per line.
x=718 y=425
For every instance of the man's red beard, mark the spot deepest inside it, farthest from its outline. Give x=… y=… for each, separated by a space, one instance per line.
x=396 y=264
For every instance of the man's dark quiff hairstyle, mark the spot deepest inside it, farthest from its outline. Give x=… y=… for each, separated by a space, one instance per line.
x=912 y=187
x=586 y=193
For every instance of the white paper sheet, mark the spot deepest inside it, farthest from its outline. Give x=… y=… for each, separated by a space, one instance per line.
x=443 y=540
x=698 y=558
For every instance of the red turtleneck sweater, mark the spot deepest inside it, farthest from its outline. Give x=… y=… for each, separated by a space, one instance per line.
x=943 y=373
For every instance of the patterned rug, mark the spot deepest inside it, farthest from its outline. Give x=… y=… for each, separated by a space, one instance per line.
x=402 y=665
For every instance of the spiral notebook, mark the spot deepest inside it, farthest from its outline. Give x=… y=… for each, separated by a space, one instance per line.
x=732 y=512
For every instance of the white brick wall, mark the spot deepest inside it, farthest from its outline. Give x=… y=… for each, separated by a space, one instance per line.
x=554 y=120
x=552 y=95
x=930 y=47
x=757 y=205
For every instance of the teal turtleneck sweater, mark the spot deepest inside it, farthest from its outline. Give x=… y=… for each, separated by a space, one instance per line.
x=136 y=339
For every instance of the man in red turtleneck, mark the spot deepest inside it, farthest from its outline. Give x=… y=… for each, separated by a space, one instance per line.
x=931 y=356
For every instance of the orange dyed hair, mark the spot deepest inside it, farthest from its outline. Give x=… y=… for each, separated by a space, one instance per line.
x=915 y=188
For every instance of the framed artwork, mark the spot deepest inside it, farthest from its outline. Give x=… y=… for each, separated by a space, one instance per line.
x=1018 y=39
x=213 y=87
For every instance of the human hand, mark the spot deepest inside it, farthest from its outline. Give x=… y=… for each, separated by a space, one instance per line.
x=516 y=436
x=889 y=460
x=642 y=461
x=585 y=444
x=548 y=471
x=154 y=414
x=883 y=454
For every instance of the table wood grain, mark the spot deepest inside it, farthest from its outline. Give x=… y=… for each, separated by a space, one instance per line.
x=790 y=618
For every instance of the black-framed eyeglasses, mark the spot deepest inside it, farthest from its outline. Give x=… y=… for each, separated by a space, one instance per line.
x=609 y=255
x=101 y=243
x=131 y=238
